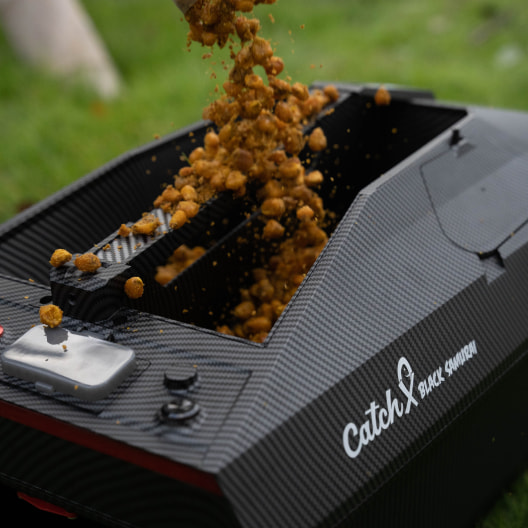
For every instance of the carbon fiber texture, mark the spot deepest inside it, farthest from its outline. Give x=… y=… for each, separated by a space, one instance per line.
x=391 y=301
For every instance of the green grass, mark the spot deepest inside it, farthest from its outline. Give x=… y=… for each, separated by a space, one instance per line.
x=511 y=510
x=53 y=132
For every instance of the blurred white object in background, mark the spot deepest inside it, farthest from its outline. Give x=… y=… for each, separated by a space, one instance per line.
x=58 y=35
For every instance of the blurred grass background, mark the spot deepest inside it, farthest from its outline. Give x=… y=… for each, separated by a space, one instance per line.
x=52 y=132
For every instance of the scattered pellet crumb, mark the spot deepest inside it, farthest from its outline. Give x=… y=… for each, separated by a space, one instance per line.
x=317 y=140
x=134 y=287
x=147 y=225
x=124 y=231
x=88 y=262
x=382 y=96
x=60 y=257
x=50 y=315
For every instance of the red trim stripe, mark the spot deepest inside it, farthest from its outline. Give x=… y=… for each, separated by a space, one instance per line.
x=107 y=446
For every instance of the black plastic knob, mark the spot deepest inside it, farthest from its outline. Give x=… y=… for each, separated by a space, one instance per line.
x=179 y=410
x=180 y=377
